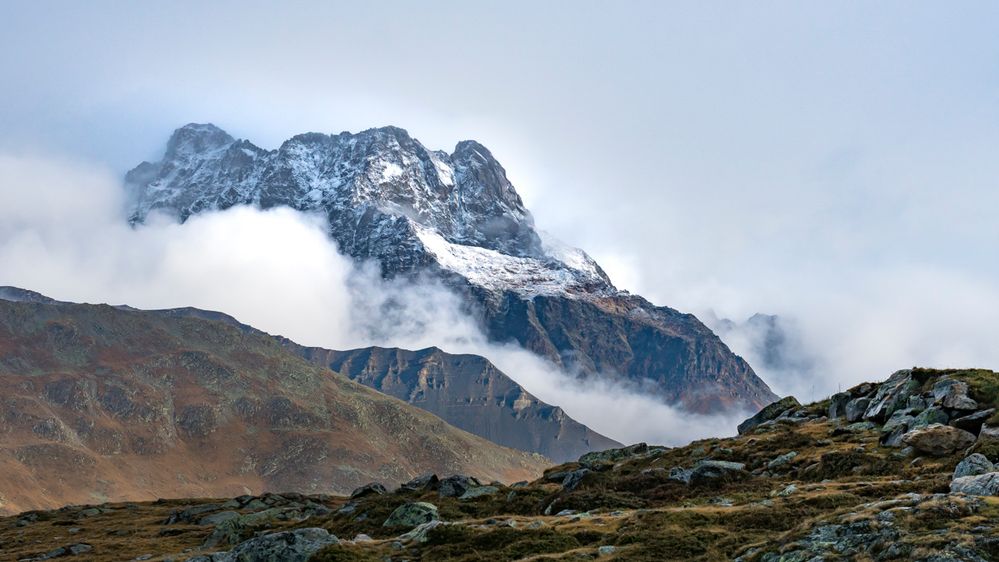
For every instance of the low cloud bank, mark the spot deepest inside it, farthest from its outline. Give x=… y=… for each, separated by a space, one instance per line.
x=63 y=233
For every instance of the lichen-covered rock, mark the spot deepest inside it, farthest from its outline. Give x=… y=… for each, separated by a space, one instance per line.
x=955 y=397
x=613 y=455
x=711 y=471
x=978 y=485
x=374 y=488
x=574 y=479
x=455 y=486
x=478 y=492
x=770 y=412
x=855 y=409
x=288 y=546
x=782 y=460
x=973 y=465
x=893 y=394
x=837 y=404
x=412 y=514
x=973 y=422
x=421 y=483
x=929 y=416
x=939 y=440
x=419 y=533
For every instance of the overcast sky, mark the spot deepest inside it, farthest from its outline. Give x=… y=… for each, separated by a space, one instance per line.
x=836 y=163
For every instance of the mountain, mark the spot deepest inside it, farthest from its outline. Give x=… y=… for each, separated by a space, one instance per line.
x=823 y=481
x=457 y=217
x=468 y=392
x=105 y=403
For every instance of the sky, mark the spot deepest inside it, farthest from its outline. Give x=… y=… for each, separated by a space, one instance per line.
x=832 y=163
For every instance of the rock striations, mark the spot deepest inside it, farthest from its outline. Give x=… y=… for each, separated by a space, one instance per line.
x=456 y=216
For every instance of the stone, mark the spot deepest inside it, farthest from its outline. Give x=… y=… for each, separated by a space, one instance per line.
x=956 y=397
x=421 y=483
x=456 y=485
x=680 y=474
x=939 y=440
x=973 y=422
x=478 y=492
x=837 y=404
x=973 y=465
x=420 y=532
x=858 y=427
x=574 y=479
x=613 y=455
x=606 y=550
x=894 y=439
x=782 y=460
x=892 y=395
x=708 y=471
x=768 y=413
x=287 y=546
x=361 y=537
x=217 y=518
x=917 y=403
x=412 y=514
x=929 y=416
x=787 y=491
x=855 y=409
x=979 y=485
x=374 y=488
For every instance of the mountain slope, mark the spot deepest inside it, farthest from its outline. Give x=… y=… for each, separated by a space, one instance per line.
x=102 y=403
x=804 y=483
x=468 y=392
x=456 y=216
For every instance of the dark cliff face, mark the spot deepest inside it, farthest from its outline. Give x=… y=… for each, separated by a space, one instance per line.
x=468 y=392
x=457 y=216
x=108 y=403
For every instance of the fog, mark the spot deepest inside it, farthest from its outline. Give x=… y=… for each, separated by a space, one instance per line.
x=63 y=233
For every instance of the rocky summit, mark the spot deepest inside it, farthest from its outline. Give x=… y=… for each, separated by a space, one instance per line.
x=822 y=481
x=457 y=217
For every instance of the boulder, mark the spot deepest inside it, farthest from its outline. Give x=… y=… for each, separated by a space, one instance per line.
x=218 y=518
x=420 y=532
x=455 y=486
x=973 y=465
x=893 y=394
x=956 y=398
x=288 y=546
x=478 y=492
x=710 y=471
x=421 y=483
x=782 y=460
x=973 y=422
x=680 y=474
x=837 y=404
x=979 y=485
x=770 y=412
x=939 y=440
x=929 y=416
x=917 y=403
x=855 y=408
x=372 y=489
x=574 y=479
x=613 y=455
x=412 y=514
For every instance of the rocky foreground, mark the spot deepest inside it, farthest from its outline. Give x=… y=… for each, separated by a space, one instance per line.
x=900 y=470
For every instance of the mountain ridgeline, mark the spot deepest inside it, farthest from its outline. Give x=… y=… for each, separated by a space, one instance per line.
x=456 y=217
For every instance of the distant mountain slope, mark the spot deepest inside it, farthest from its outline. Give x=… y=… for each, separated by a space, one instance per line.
x=456 y=216
x=103 y=403
x=470 y=393
x=466 y=391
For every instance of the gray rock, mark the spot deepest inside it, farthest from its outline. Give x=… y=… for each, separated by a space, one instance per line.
x=782 y=460
x=421 y=483
x=929 y=416
x=455 y=486
x=707 y=471
x=288 y=546
x=768 y=413
x=973 y=422
x=478 y=492
x=892 y=395
x=973 y=465
x=613 y=455
x=420 y=532
x=939 y=440
x=956 y=397
x=837 y=404
x=855 y=408
x=574 y=479
x=606 y=550
x=374 y=488
x=412 y=514
x=917 y=403
x=858 y=427
x=217 y=518
x=979 y=485
x=680 y=474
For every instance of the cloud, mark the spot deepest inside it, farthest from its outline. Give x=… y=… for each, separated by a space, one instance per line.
x=63 y=233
